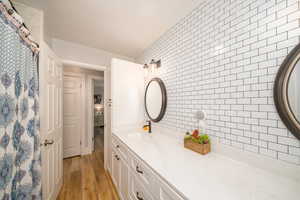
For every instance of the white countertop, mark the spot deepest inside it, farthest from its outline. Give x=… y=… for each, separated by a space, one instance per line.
x=209 y=177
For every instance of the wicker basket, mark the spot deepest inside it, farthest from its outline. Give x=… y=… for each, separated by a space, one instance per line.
x=199 y=148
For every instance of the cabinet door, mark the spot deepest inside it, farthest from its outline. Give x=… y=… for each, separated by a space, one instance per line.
x=167 y=193
x=123 y=189
x=136 y=190
x=116 y=169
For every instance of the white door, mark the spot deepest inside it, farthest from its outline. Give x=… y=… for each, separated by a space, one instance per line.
x=72 y=115
x=51 y=83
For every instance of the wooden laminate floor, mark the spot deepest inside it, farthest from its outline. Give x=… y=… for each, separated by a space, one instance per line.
x=85 y=177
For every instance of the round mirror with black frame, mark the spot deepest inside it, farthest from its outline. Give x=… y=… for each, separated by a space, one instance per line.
x=287 y=91
x=155 y=99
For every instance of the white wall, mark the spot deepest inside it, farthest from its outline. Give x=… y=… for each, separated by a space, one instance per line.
x=223 y=58
x=127 y=94
x=76 y=52
x=83 y=54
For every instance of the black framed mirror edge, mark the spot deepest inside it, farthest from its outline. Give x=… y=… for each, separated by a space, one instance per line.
x=164 y=99
x=280 y=92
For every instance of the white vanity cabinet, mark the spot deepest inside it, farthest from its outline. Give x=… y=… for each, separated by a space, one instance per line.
x=166 y=193
x=115 y=168
x=120 y=169
x=134 y=179
x=137 y=191
x=123 y=189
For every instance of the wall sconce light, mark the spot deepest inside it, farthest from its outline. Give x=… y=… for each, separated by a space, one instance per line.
x=153 y=65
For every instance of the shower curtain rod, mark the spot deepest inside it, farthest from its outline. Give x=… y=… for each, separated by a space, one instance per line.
x=11 y=15
x=14 y=8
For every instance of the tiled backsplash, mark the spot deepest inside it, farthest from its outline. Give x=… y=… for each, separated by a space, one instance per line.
x=223 y=58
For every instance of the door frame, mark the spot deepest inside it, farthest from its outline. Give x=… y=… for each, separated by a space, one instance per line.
x=82 y=103
x=107 y=134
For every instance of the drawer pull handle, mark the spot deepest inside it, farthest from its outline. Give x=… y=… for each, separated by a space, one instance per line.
x=48 y=142
x=118 y=146
x=138 y=196
x=138 y=170
x=117 y=157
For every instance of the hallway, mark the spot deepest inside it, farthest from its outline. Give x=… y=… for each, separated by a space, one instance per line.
x=85 y=177
x=99 y=139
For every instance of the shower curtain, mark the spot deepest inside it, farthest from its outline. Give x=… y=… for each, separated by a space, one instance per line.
x=20 y=158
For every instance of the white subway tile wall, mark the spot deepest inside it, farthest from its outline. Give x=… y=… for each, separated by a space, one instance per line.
x=223 y=58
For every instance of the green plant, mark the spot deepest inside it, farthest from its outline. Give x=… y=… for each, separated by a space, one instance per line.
x=197 y=138
x=204 y=139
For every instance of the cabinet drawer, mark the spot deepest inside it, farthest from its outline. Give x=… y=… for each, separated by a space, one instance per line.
x=120 y=148
x=137 y=191
x=142 y=172
x=167 y=193
x=115 y=171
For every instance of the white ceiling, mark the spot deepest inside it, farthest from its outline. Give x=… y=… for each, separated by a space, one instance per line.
x=125 y=27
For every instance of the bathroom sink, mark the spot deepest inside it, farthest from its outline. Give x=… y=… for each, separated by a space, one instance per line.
x=134 y=135
x=138 y=134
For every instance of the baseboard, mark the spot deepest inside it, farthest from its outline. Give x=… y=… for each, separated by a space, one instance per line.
x=86 y=151
x=107 y=173
x=56 y=193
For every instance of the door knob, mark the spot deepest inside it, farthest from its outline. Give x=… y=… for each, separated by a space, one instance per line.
x=48 y=142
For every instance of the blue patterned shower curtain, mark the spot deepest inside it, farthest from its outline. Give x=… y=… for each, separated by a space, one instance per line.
x=20 y=158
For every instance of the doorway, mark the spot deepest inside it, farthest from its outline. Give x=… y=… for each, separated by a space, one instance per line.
x=98 y=94
x=99 y=116
x=84 y=96
x=86 y=176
